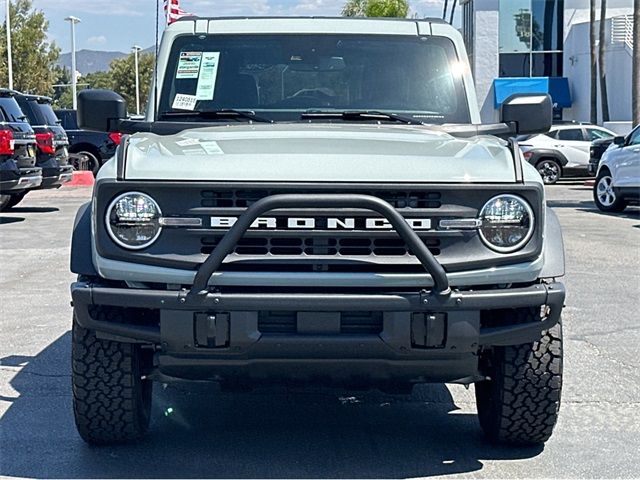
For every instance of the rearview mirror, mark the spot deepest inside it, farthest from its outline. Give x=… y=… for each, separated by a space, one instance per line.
x=528 y=113
x=619 y=140
x=100 y=110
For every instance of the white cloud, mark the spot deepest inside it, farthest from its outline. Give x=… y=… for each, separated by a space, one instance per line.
x=121 y=7
x=97 y=40
x=222 y=8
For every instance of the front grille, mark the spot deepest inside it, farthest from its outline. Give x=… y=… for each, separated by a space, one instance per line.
x=392 y=246
x=243 y=198
x=351 y=323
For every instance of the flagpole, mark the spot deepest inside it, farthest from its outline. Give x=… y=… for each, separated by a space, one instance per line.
x=9 y=56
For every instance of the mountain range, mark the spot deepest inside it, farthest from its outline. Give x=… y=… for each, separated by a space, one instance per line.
x=91 y=61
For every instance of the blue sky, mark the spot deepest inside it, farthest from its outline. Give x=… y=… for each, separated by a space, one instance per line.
x=119 y=24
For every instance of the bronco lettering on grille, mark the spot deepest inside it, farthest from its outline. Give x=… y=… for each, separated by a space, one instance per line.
x=325 y=223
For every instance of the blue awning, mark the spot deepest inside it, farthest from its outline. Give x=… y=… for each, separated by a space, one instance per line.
x=557 y=87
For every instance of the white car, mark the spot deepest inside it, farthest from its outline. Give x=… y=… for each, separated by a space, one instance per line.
x=563 y=150
x=618 y=177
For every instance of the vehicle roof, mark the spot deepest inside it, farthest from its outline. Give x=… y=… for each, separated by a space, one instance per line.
x=308 y=25
x=565 y=126
x=28 y=96
x=310 y=17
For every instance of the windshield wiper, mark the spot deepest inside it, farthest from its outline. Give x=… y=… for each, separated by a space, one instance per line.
x=222 y=113
x=360 y=115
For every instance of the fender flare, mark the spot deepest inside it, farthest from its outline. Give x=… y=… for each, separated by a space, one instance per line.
x=553 y=250
x=540 y=153
x=81 y=253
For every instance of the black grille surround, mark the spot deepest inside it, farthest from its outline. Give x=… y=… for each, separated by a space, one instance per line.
x=318 y=249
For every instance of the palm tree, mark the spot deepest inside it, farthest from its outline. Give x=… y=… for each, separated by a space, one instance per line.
x=635 y=69
x=604 y=100
x=594 y=62
x=354 y=8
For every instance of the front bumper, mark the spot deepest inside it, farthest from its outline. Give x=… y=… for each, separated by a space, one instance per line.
x=238 y=348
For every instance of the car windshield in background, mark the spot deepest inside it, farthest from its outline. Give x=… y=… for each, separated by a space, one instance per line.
x=10 y=110
x=282 y=76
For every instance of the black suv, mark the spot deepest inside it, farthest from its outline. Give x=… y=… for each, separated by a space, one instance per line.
x=18 y=171
x=52 y=141
x=94 y=148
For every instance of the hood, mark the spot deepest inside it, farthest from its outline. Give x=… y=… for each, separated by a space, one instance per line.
x=318 y=153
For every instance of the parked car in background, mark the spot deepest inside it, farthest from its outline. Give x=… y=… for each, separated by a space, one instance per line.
x=94 y=147
x=618 y=180
x=52 y=153
x=598 y=147
x=563 y=151
x=18 y=170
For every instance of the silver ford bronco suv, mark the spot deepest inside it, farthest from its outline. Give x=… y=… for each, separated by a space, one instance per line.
x=315 y=201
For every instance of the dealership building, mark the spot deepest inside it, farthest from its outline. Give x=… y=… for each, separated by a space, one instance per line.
x=521 y=46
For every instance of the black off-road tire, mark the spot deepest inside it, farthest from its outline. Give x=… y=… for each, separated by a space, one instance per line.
x=519 y=405
x=111 y=400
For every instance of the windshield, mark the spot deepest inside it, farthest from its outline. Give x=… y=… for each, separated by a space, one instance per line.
x=282 y=76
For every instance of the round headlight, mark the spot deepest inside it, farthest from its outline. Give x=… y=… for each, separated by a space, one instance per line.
x=507 y=223
x=133 y=220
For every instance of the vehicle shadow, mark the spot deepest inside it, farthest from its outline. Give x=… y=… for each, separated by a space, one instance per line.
x=199 y=432
x=34 y=209
x=8 y=220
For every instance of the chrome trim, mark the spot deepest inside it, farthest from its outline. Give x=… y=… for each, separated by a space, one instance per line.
x=460 y=224
x=180 y=222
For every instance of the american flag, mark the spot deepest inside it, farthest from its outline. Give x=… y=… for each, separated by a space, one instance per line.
x=173 y=11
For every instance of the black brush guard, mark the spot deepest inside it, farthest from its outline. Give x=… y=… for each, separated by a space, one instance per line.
x=439 y=299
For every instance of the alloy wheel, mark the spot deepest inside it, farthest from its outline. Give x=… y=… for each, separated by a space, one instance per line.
x=604 y=191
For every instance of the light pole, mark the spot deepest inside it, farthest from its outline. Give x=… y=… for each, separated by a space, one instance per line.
x=137 y=49
x=74 y=79
x=9 y=57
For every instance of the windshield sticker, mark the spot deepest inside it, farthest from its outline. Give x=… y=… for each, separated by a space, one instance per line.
x=208 y=75
x=184 y=102
x=187 y=142
x=189 y=65
x=211 y=147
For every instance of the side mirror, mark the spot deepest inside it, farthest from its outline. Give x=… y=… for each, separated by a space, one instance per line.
x=528 y=112
x=100 y=110
x=619 y=140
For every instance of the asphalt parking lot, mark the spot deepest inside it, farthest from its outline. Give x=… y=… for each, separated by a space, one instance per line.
x=197 y=431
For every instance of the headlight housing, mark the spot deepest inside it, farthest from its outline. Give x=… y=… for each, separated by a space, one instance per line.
x=507 y=223
x=133 y=220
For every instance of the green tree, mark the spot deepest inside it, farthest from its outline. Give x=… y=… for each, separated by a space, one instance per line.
x=123 y=78
x=33 y=56
x=376 y=8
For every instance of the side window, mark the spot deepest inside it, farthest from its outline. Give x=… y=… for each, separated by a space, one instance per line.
x=595 y=134
x=571 y=134
x=635 y=137
x=552 y=134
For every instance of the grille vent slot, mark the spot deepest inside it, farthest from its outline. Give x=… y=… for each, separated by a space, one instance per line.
x=333 y=246
x=243 y=198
